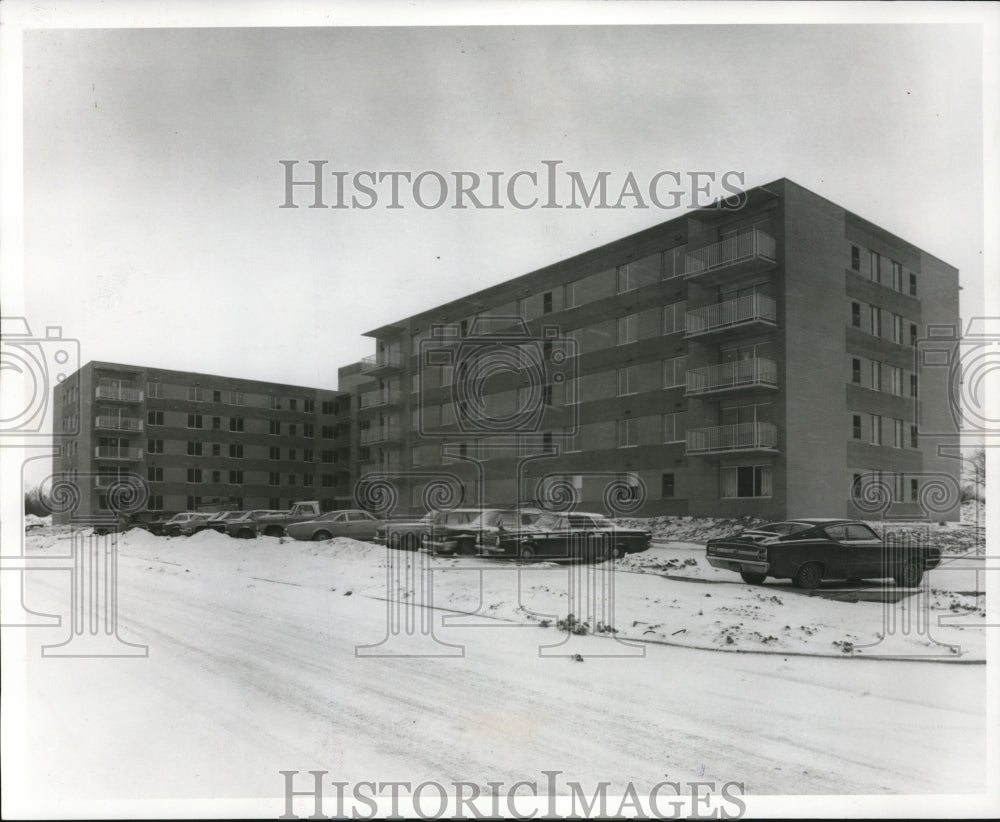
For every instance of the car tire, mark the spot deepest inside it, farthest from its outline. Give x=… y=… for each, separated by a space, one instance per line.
x=322 y=536
x=245 y=533
x=528 y=553
x=466 y=548
x=752 y=578
x=910 y=575
x=809 y=576
x=395 y=541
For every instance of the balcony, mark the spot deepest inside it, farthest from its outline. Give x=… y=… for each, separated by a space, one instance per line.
x=743 y=254
x=754 y=311
x=376 y=399
x=110 y=480
x=731 y=439
x=738 y=375
x=110 y=423
x=114 y=452
x=384 y=433
x=382 y=362
x=118 y=394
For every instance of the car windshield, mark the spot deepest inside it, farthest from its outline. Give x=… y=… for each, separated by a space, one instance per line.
x=488 y=519
x=331 y=515
x=548 y=522
x=782 y=528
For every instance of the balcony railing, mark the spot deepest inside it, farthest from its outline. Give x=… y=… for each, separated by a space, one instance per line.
x=384 y=433
x=387 y=396
x=118 y=423
x=741 y=311
x=113 y=392
x=732 y=376
x=744 y=436
x=112 y=452
x=111 y=480
x=752 y=246
x=386 y=360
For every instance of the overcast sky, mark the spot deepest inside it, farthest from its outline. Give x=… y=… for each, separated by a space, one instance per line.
x=153 y=232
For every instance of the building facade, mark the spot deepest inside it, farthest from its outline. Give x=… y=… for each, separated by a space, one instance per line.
x=198 y=441
x=760 y=360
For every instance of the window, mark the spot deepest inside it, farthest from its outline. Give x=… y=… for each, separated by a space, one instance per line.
x=856 y=426
x=273 y=502
x=876 y=375
x=235 y=477
x=626 y=433
x=236 y=398
x=896 y=380
x=673 y=371
x=914 y=438
x=293 y=404
x=327 y=432
x=194 y=421
x=326 y=480
x=666 y=486
x=216 y=476
x=308 y=480
x=897 y=276
x=195 y=394
x=155 y=503
x=628 y=329
x=913 y=385
x=897 y=434
x=293 y=429
x=855 y=258
x=897 y=329
x=746 y=481
x=326 y=456
x=154 y=473
x=236 y=450
x=216 y=449
x=293 y=455
x=194 y=475
x=307 y=455
x=874 y=271
x=570 y=295
x=154 y=418
x=274 y=453
x=626 y=378
x=193 y=502
x=673 y=317
x=875 y=326
x=308 y=430
x=913 y=285
x=914 y=490
x=673 y=427
x=291 y=479
x=624 y=281
x=194 y=448
x=913 y=334
x=154 y=389
x=274 y=478
x=274 y=427
x=327 y=407
x=236 y=423
x=547 y=302
x=856 y=315
x=876 y=429
x=856 y=370
x=216 y=396
x=216 y=423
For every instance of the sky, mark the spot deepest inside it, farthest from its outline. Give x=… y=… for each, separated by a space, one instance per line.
x=153 y=231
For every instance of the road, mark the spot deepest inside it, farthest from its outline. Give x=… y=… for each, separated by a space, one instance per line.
x=250 y=673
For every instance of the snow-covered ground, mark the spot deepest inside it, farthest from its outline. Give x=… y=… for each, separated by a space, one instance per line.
x=254 y=667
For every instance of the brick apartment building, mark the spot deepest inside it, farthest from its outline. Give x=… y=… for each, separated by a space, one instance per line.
x=760 y=361
x=756 y=361
x=199 y=440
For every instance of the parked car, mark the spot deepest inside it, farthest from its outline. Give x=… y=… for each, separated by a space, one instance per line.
x=217 y=522
x=410 y=534
x=807 y=551
x=244 y=526
x=273 y=524
x=576 y=535
x=468 y=537
x=354 y=524
x=185 y=524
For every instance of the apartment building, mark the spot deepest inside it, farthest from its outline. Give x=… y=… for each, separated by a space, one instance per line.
x=753 y=361
x=200 y=440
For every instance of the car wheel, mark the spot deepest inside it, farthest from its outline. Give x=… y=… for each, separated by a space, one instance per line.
x=466 y=548
x=752 y=578
x=909 y=575
x=809 y=576
x=411 y=542
x=245 y=533
x=528 y=552
x=321 y=536
x=395 y=541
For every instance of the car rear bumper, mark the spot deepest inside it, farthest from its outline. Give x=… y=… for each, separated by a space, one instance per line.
x=738 y=565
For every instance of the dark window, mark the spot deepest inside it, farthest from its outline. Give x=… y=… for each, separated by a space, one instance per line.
x=236 y=450
x=293 y=454
x=216 y=423
x=154 y=418
x=194 y=421
x=273 y=502
x=274 y=453
x=236 y=477
x=667 y=486
x=307 y=455
x=913 y=334
x=326 y=456
x=293 y=404
x=194 y=449
x=856 y=426
x=464 y=325
x=216 y=476
x=194 y=475
x=913 y=385
x=274 y=479
x=856 y=370
x=274 y=427
x=547 y=302
x=291 y=479
x=308 y=430
x=326 y=432
x=856 y=315
x=309 y=406
x=913 y=285
x=154 y=474
x=855 y=258
x=914 y=438
x=293 y=429
x=155 y=503
x=547 y=395
x=216 y=396
x=236 y=423
x=914 y=490
x=216 y=449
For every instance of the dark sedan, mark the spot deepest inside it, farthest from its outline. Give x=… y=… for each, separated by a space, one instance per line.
x=807 y=551
x=469 y=537
x=569 y=536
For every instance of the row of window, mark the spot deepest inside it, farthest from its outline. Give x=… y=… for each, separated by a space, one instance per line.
x=883 y=323
x=880 y=376
x=194 y=393
x=884 y=271
x=196 y=448
x=155 y=503
x=903 y=489
x=904 y=434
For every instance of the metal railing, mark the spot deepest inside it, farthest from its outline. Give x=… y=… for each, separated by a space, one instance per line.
x=387 y=359
x=118 y=423
x=753 y=244
x=744 y=436
x=112 y=452
x=387 y=396
x=384 y=433
x=730 y=313
x=113 y=392
x=752 y=373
